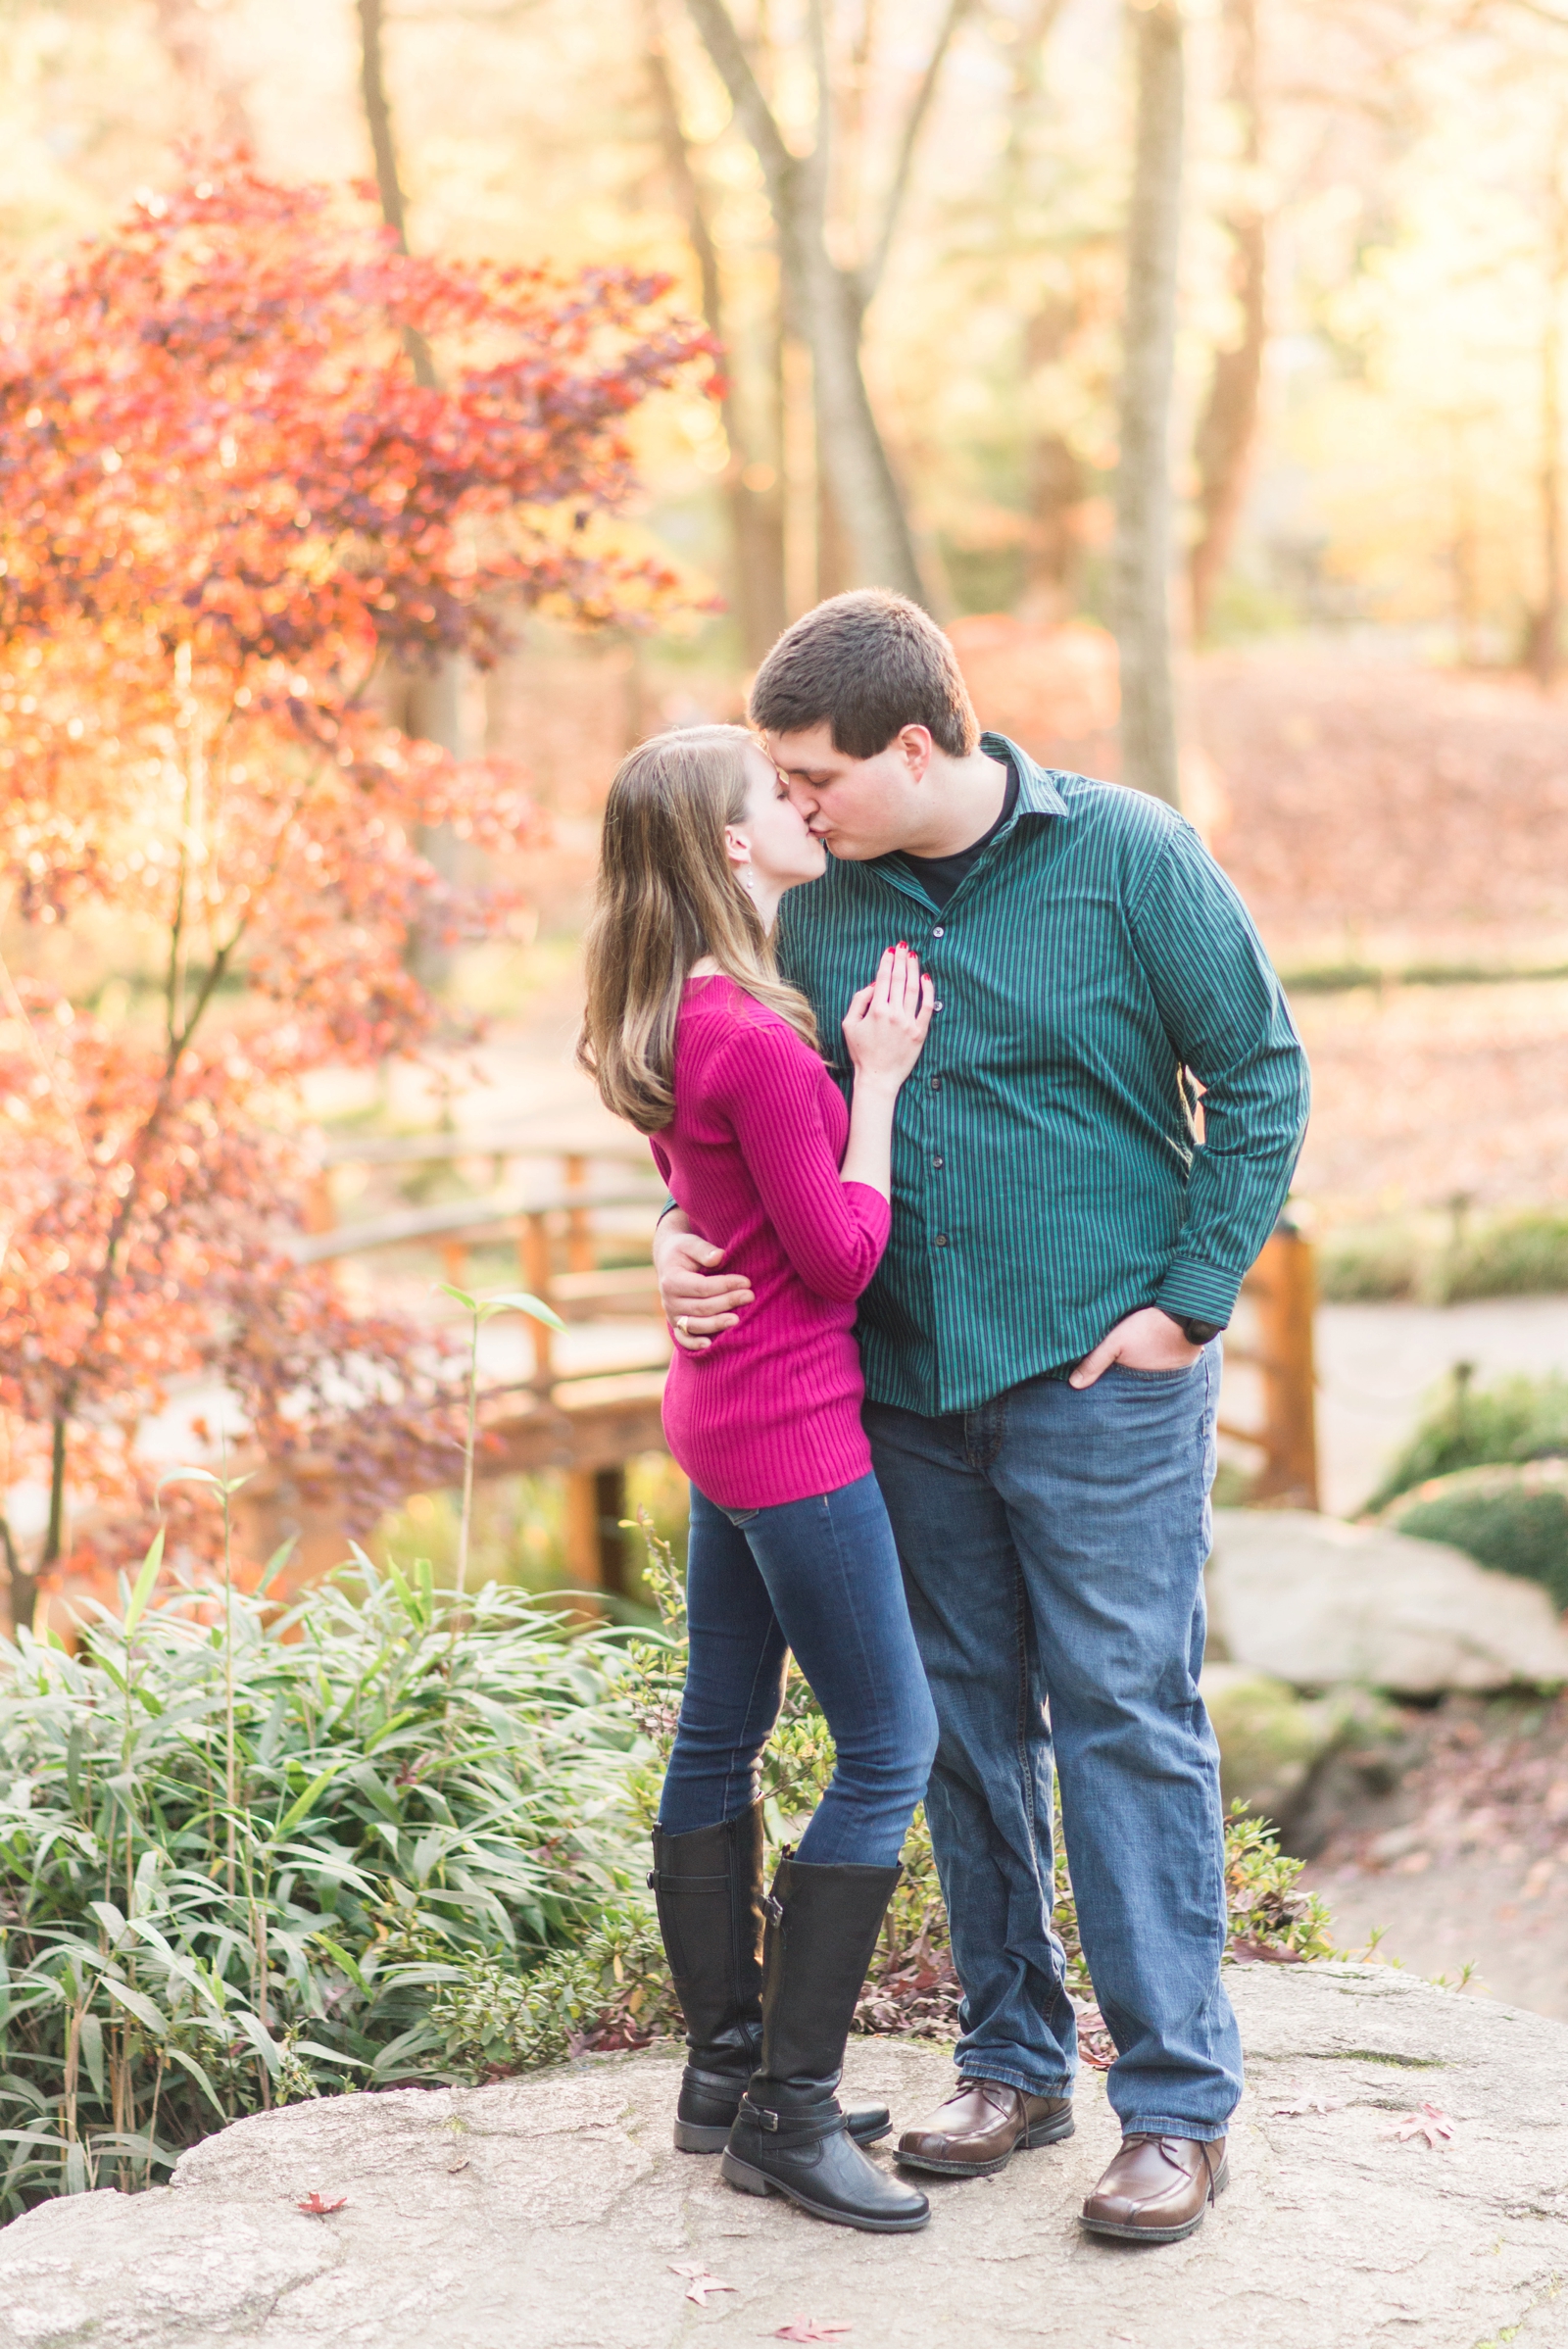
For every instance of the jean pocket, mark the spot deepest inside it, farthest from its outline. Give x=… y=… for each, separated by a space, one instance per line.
x=741 y=1518
x=1152 y=1378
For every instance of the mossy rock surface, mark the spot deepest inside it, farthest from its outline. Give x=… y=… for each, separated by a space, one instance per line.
x=1270 y=1739
x=1513 y=1519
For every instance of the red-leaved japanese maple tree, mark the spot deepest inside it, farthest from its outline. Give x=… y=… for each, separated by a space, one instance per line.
x=226 y=502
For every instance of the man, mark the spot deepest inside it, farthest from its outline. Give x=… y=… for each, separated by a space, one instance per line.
x=1041 y=1364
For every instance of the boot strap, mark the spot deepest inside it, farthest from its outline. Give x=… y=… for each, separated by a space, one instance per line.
x=814 y=2122
x=661 y=1879
x=701 y=2076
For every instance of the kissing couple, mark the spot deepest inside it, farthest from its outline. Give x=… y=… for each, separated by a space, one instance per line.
x=917 y=1028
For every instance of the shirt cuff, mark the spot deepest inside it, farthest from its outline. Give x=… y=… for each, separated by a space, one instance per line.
x=1193 y=1292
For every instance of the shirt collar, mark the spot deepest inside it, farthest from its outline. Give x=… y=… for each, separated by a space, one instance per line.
x=1038 y=792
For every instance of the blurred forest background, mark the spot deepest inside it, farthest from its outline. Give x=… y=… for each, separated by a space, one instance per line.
x=938 y=247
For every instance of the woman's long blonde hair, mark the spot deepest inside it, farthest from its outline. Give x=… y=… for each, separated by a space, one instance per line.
x=669 y=895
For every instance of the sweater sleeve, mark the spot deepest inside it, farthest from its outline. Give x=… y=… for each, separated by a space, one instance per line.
x=833 y=1233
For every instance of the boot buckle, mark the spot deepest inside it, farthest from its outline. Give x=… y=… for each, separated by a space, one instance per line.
x=761 y=2116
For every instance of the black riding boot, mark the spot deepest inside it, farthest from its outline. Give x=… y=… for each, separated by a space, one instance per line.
x=707 y=1886
x=790 y=2136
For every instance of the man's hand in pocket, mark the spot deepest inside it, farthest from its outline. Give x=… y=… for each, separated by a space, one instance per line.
x=1147 y=1340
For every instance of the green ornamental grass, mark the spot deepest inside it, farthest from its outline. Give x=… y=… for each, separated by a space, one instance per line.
x=420 y=1784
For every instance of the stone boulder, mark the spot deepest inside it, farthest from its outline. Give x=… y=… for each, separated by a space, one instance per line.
x=552 y=2212
x=1271 y=1741
x=1317 y=1602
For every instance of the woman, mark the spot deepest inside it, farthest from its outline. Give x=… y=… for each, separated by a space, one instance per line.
x=693 y=1036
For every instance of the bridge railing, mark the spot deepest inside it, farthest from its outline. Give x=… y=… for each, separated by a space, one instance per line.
x=575 y=1209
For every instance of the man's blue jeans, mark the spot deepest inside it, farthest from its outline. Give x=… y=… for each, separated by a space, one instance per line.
x=1054 y=1542
x=819 y=1577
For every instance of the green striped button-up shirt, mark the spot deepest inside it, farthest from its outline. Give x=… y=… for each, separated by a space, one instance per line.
x=1046 y=1175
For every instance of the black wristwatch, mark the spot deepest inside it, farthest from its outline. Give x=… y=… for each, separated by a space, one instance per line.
x=1196 y=1333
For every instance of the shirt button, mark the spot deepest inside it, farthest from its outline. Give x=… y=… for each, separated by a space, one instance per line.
x=941 y=1239
x=939 y=931
x=936 y=1006
x=936 y=1084
x=937 y=1163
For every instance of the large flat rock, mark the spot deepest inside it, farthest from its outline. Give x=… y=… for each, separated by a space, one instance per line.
x=1316 y=1602
x=548 y=2213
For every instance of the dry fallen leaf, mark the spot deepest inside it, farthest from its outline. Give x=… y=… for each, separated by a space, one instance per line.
x=316 y=2205
x=698 y=2283
x=810 y=2328
x=1095 y=2046
x=1430 y=2122
x=1299 y=2102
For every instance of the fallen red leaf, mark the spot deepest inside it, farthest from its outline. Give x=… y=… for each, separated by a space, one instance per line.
x=810 y=2328
x=316 y=2205
x=1264 y=1953
x=1095 y=2046
x=1430 y=2122
x=698 y=2283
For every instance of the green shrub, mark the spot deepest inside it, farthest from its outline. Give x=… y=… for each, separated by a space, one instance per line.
x=1514 y=1255
x=1522 y=1255
x=1374 y=1266
x=1270 y=1916
x=421 y=1785
x=1480 y=1427
x=1514 y=1520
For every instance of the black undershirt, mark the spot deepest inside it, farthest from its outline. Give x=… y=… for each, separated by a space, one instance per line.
x=940 y=875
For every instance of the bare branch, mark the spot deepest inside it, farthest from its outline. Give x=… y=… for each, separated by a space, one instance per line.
x=870 y=275
x=384 y=146
x=818 y=170
x=678 y=164
x=723 y=45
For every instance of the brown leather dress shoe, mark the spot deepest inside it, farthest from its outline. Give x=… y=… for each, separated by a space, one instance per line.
x=1157 y=2190
x=981 y=2127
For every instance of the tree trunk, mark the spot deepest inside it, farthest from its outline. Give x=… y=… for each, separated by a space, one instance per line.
x=1229 y=422
x=422 y=700
x=825 y=307
x=755 y=515
x=1142 y=554
x=852 y=458
x=1543 y=649
x=383 y=147
x=22 y=1588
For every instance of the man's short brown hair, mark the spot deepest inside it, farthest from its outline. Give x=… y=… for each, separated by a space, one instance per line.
x=867 y=665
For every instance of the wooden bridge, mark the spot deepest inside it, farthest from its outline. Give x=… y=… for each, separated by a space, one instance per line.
x=581 y=1223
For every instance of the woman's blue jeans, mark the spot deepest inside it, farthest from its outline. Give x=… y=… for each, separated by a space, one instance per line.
x=820 y=1579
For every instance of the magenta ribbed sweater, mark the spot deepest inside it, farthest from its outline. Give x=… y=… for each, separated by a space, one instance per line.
x=771 y=1412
